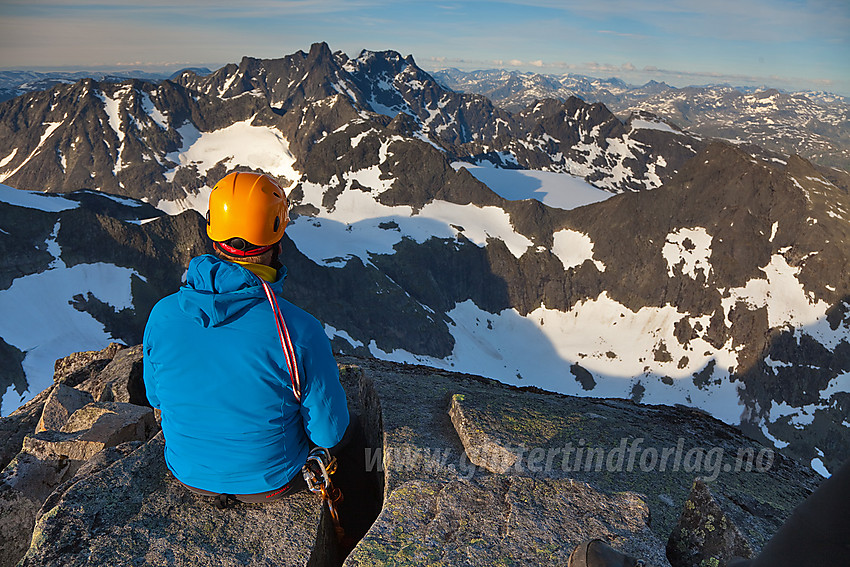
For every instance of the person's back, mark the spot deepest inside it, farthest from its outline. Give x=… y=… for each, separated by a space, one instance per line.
x=215 y=365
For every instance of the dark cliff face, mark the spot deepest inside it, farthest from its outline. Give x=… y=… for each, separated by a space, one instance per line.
x=682 y=254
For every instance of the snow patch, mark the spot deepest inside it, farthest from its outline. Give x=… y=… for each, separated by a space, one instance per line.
x=573 y=248
x=690 y=248
x=778 y=443
x=50 y=127
x=151 y=110
x=839 y=384
x=782 y=294
x=240 y=144
x=126 y=201
x=45 y=297
x=332 y=332
x=54 y=250
x=359 y=225
x=557 y=190
x=5 y=161
x=653 y=125
x=111 y=107
x=819 y=467
x=34 y=200
x=197 y=201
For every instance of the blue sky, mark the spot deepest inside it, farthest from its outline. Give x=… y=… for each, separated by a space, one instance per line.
x=790 y=44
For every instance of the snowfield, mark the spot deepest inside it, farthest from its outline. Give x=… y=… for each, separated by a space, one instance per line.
x=573 y=248
x=617 y=346
x=39 y=319
x=35 y=200
x=690 y=249
x=558 y=190
x=241 y=144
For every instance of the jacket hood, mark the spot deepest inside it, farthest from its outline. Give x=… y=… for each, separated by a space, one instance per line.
x=218 y=291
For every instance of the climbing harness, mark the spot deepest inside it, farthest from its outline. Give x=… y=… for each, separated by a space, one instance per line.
x=317 y=473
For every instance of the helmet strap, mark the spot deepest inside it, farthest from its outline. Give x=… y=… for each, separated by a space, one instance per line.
x=231 y=251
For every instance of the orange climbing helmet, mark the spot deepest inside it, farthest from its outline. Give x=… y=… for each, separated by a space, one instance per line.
x=248 y=213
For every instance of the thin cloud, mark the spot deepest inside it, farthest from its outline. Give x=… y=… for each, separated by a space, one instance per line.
x=608 y=68
x=621 y=34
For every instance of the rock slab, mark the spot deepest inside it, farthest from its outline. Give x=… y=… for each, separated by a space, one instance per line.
x=93 y=428
x=62 y=402
x=502 y=520
x=482 y=447
x=135 y=513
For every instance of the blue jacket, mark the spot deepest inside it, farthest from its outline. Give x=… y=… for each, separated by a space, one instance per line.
x=214 y=366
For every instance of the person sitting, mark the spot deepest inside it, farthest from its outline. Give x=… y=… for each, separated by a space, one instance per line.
x=246 y=382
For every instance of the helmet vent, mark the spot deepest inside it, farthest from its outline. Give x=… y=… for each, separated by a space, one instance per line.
x=238 y=243
x=276 y=224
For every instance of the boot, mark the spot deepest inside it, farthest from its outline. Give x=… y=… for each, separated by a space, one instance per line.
x=596 y=553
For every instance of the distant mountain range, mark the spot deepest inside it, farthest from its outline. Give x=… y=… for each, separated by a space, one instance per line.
x=16 y=83
x=814 y=125
x=555 y=246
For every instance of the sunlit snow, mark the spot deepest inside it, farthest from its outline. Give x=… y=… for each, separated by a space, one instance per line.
x=5 y=161
x=35 y=200
x=604 y=337
x=689 y=248
x=50 y=127
x=360 y=226
x=558 y=190
x=781 y=293
x=111 y=105
x=197 y=201
x=241 y=144
x=572 y=248
x=151 y=110
x=38 y=319
x=652 y=125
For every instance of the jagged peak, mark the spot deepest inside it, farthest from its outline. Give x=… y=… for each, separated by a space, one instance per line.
x=394 y=59
x=320 y=50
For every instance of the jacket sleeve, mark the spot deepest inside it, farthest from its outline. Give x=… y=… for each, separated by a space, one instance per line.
x=323 y=404
x=148 y=372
